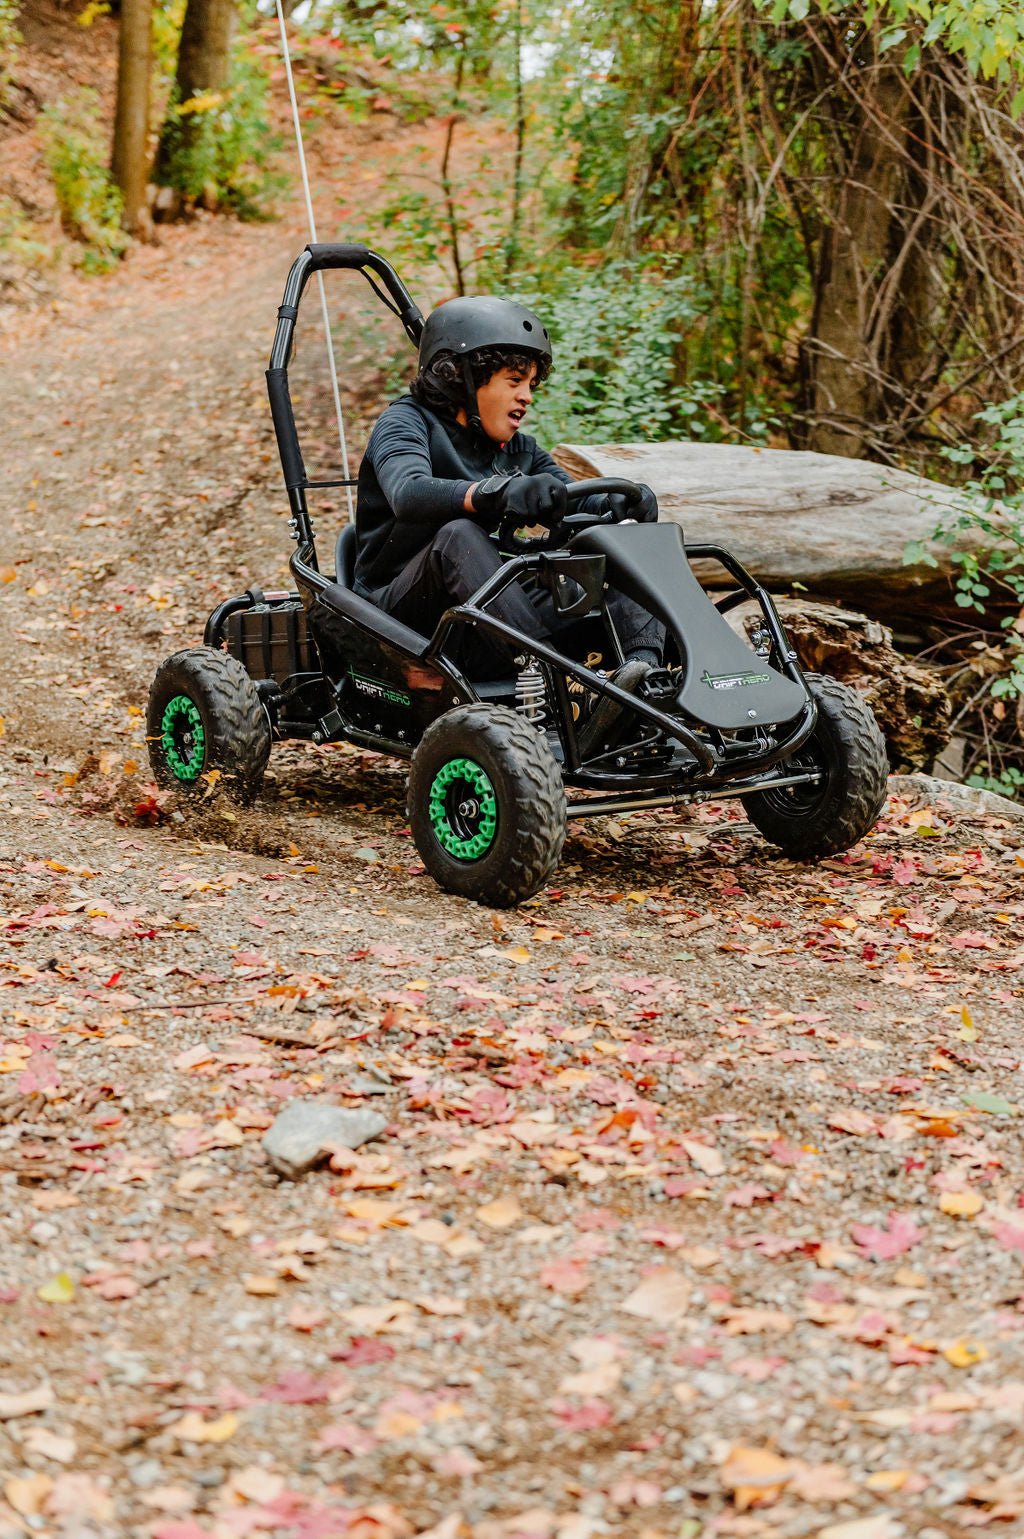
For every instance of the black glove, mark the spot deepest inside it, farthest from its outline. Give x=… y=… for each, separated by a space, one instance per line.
x=644 y=512
x=536 y=499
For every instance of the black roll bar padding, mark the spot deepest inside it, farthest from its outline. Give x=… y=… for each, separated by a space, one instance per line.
x=284 y=427
x=317 y=258
x=324 y=256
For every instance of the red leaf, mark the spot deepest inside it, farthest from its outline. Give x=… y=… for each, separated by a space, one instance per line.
x=884 y=1244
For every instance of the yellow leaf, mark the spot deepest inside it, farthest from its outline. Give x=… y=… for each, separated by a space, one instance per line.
x=636 y=897
x=755 y=1476
x=501 y=1213
x=59 y=1290
x=515 y=953
x=193 y=1429
x=961 y=1204
x=27 y=1494
x=260 y=1287
x=887 y=1480
x=968 y=1031
x=964 y=1354
x=8 y=574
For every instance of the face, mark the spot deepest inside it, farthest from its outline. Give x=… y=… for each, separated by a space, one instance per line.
x=503 y=402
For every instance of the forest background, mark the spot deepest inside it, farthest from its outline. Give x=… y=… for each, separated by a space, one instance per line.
x=767 y=223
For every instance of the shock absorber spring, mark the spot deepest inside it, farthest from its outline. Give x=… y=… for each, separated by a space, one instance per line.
x=531 y=694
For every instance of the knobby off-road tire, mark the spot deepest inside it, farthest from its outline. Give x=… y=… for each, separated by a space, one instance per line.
x=809 y=822
x=486 y=805
x=204 y=714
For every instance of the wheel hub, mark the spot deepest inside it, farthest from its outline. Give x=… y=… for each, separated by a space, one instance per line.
x=463 y=809
x=183 y=737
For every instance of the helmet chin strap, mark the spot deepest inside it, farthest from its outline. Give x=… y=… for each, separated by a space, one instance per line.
x=472 y=409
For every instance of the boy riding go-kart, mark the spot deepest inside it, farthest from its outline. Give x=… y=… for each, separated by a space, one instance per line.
x=508 y=668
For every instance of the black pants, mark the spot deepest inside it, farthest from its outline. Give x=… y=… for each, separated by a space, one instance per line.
x=459 y=560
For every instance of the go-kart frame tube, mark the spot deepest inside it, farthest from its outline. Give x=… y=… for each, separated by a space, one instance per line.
x=475 y=613
x=320 y=258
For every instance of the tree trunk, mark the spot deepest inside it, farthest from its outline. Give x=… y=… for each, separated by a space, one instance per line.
x=204 y=64
x=841 y=351
x=129 y=163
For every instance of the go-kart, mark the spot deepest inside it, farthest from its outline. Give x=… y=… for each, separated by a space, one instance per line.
x=729 y=715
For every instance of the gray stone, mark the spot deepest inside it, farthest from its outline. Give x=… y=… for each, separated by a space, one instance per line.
x=966 y=800
x=308 y=1131
x=837 y=526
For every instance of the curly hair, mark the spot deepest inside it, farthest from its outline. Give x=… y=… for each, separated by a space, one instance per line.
x=440 y=385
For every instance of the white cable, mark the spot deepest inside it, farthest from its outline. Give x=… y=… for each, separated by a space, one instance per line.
x=313 y=238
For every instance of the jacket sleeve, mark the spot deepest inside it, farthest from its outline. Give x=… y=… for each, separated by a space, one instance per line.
x=399 y=451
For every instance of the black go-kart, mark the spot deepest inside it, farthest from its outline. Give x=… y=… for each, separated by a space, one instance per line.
x=729 y=715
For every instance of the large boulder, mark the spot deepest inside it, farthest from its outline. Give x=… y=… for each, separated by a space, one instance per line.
x=839 y=527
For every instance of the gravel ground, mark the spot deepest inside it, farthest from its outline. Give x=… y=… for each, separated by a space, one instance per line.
x=698 y=1209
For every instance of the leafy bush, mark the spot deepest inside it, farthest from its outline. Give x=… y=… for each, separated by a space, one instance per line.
x=10 y=37
x=222 y=141
x=991 y=503
x=615 y=332
x=74 y=146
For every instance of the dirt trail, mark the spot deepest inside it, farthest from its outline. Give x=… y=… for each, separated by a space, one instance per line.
x=698 y=1210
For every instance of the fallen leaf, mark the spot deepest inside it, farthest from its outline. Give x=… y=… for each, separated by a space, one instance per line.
x=880 y=1527
x=706 y=1158
x=663 y=1296
x=59 y=1290
x=961 y=1204
x=26 y=1494
x=193 y=1429
x=501 y=1213
x=260 y=1287
x=755 y=1476
x=49 y=1445
x=964 y=1354
x=27 y=1403
x=884 y=1244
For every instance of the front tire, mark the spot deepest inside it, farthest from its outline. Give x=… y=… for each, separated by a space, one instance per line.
x=847 y=746
x=205 y=715
x=486 y=805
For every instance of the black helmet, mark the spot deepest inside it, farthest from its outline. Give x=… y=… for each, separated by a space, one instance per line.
x=463 y=325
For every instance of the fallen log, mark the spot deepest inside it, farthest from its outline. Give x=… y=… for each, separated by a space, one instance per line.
x=909 y=700
x=837 y=527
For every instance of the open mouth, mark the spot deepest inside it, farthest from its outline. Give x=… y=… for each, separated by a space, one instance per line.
x=516 y=417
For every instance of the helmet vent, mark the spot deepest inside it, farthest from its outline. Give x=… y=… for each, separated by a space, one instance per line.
x=527 y=325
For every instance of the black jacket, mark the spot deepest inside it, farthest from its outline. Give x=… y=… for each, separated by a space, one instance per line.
x=413 y=480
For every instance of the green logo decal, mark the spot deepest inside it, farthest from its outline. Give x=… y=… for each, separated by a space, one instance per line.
x=733 y=680
x=379 y=690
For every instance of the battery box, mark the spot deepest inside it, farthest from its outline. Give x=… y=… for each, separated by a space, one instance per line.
x=272 y=641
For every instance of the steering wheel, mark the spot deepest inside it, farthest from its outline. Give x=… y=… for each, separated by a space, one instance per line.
x=570 y=523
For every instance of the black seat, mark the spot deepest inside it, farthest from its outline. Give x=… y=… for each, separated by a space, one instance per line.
x=345 y=556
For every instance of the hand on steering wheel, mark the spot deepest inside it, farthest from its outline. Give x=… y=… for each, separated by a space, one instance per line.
x=570 y=523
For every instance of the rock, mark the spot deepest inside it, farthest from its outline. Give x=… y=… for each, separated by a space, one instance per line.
x=308 y=1131
x=837 y=526
x=910 y=701
x=966 y=800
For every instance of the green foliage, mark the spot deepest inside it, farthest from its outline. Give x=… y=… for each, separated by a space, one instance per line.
x=75 y=149
x=615 y=332
x=989 y=34
x=991 y=504
x=220 y=144
x=10 y=37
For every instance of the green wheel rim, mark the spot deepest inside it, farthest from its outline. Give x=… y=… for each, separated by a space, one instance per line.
x=463 y=809
x=183 y=737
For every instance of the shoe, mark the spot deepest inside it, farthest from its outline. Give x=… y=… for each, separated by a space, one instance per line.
x=606 y=712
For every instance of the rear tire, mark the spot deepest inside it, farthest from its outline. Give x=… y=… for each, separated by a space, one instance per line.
x=205 y=715
x=809 y=822
x=486 y=805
